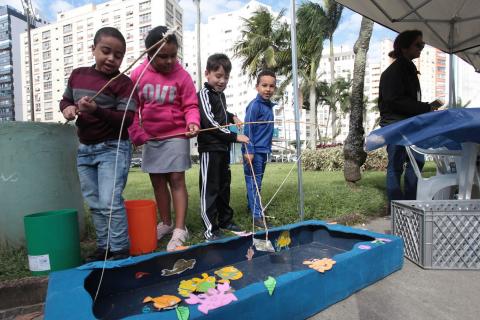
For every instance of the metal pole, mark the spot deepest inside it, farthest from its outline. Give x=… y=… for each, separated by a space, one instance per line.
x=452 y=99
x=199 y=58
x=32 y=111
x=293 y=33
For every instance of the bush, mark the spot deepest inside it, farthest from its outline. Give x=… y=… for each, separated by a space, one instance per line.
x=331 y=159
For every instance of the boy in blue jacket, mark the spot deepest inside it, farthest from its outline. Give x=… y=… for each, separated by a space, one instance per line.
x=256 y=152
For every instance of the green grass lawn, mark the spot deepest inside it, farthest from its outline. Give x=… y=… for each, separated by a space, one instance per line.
x=327 y=197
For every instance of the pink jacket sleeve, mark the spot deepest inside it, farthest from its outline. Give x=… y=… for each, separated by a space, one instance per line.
x=190 y=102
x=137 y=134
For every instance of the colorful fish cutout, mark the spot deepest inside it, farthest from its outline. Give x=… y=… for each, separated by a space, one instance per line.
x=229 y=273
x=183 y=313
x=320 y=265
x=186 y=287
x=270 y=283
x=213 y=299
x=207 y=282
x=283 y=240
x=163 y=302
x=179 y=266
x=250 y=254
x=139 y=275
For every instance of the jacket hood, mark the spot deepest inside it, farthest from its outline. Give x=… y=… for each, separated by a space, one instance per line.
x=176 y=66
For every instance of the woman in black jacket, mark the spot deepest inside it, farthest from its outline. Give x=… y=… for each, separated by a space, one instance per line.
x=400 y=98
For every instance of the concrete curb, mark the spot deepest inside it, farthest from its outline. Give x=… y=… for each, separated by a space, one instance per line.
x=22 y=296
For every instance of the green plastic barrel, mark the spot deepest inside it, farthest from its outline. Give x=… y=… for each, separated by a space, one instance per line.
x=53 y=241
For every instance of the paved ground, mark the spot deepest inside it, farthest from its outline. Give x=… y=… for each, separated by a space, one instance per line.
x=412 y=293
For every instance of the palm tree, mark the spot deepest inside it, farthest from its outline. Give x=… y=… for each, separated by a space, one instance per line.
x=311 y=32
x=353 y=150
x=265 y=43
x=333 y=13
x=336 y=96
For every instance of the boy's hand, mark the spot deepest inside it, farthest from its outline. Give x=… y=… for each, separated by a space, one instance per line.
x=242 y=138
x=70 y=112
x=238 y=123
x=192 y=130
x=248 y=157
x=86 y=104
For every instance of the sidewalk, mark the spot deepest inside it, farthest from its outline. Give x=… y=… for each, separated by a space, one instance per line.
x=411 y=293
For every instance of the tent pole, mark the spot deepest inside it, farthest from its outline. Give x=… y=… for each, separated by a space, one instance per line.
x=452 y=100
x=293 y=34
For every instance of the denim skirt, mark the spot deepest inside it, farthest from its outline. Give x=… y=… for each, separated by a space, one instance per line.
x=171 y=155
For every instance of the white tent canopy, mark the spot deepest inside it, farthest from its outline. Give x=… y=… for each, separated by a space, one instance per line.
x=452 y=26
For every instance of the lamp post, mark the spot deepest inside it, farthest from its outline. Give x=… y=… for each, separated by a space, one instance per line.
x=199 y=58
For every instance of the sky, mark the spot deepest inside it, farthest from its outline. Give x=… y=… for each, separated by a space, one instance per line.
x=345 y=36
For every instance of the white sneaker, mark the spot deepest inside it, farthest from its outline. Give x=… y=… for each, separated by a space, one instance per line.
x=163 y=229
x=178 y=239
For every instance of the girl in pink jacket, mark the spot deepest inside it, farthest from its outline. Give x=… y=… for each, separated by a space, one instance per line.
x=166 y=118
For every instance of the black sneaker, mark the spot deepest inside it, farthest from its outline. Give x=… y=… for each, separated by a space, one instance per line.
x=232 y=226
x=118 y=255
x=97 y=255
x=258 y=222
x=217 y=234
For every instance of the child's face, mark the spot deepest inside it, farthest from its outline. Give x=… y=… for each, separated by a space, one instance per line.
x=108 y=53
x=166 y=58
x=266 y=87
x=218 y=79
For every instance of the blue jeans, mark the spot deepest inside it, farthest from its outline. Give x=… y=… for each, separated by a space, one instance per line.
x=397 y=158
x=259 y=162
x=96 y=170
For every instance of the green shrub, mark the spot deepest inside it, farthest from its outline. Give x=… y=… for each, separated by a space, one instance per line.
x=331 y=159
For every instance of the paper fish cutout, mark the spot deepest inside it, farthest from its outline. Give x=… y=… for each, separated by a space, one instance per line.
x=186 y=287
x=283 y=240
x=250 y=254
x=139 y=275
x=229 y=273
x=207 y=282
x=364 y=247
x=270 y=283
x=179 y=266
x=242 y=233
x=179 y=248
x=163 y=302
x=213 y=299
x=320 y=265
x=183 y=313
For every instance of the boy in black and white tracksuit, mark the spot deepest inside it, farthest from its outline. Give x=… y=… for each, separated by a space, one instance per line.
x=214 y=149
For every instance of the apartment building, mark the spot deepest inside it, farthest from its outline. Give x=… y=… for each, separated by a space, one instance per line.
x=66 y=44
x=12 y=23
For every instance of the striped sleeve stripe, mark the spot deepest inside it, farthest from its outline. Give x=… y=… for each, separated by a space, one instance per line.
x=207 y=109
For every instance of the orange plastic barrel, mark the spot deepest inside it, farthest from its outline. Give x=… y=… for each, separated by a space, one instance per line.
x=142 y=225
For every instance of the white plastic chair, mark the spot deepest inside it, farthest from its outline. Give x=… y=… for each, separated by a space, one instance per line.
x=441 y=185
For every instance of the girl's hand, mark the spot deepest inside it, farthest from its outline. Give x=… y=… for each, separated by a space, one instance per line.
x=70 y=112
x=192 y=130
x=86 y=104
